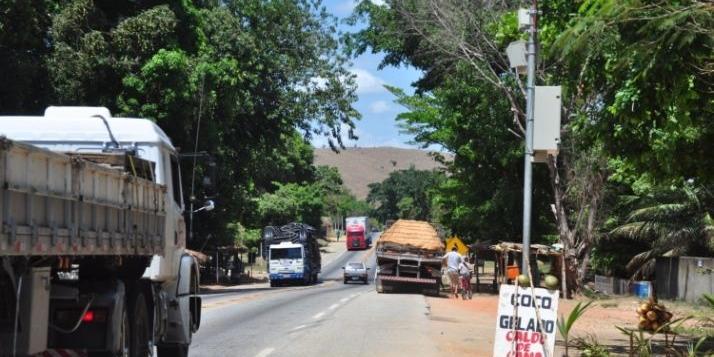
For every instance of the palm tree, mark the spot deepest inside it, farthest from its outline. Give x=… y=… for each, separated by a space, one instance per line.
x=675 y=222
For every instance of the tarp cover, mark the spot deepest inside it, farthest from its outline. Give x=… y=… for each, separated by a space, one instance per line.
x=411 y=235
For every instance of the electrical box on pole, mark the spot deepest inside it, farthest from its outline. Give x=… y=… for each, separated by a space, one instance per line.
x=524 y=18
x=546 y=122
x=516 y=52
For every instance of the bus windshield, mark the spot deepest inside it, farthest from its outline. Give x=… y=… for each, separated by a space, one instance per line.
x=285 y=253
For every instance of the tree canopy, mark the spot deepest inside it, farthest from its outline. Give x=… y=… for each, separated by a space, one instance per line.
x=246 y=80
x=405 y=194
x=636 y=78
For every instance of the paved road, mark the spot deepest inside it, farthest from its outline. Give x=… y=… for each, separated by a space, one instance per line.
x=330 y=319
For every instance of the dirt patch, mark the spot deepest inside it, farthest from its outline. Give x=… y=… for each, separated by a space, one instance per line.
x=464 y=327
x=467 y=327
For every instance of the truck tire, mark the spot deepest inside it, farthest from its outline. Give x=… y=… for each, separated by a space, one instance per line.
x=172 y=350
x=139 y=329
x=272 y=284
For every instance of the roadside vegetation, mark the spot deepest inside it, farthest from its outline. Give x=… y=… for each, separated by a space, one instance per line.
x=634 y=177
x=249 y=82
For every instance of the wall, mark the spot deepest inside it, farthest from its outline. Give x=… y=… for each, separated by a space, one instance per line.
x=684 y=278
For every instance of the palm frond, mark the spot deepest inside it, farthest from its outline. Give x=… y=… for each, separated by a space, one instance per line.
x=659 y=212
x=638 y=230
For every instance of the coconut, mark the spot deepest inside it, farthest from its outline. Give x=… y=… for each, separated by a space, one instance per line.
x=551 y=282
x=651 y=315
x=524 y=280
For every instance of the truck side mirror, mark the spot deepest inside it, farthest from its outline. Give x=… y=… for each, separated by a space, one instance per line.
x=208 y=206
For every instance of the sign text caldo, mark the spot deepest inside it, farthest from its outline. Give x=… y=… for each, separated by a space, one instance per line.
x=519 y=331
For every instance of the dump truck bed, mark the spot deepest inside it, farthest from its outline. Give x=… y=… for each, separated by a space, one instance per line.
x=56 y=204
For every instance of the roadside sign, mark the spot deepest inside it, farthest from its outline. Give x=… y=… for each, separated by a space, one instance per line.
x=526 y=322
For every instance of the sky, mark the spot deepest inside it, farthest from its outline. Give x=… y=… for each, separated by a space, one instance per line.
x=377 y=126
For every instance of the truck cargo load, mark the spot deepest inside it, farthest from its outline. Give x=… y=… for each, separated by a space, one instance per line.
x=293 y=254
x=409 y=256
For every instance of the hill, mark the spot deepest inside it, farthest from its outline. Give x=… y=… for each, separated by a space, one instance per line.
x=361 y=166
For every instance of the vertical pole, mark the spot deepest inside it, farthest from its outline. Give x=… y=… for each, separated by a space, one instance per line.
x=528 y=159
x=190 y=222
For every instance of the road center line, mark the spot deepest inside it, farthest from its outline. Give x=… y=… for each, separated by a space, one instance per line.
x=265 y=352
x=319 y=315
x=334 y=306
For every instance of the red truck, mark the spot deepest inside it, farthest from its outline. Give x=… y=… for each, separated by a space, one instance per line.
x=358 y=234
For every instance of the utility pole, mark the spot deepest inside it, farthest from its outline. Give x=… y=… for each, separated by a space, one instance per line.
x=531 y=50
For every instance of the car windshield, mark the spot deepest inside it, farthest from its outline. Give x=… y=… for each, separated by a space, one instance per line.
x=356 y=266
x=285 y=253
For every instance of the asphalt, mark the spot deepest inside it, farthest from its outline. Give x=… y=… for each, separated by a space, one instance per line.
x=327 y=318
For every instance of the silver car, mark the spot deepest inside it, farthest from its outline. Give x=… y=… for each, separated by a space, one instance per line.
x=355 y=272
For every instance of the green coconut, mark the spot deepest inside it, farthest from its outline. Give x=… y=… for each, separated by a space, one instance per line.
x=524 y=280
x=551 y=282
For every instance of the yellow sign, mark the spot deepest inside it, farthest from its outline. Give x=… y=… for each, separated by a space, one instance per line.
x=456 y=242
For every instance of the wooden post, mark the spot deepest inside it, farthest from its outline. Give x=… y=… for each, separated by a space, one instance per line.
x=563 y=276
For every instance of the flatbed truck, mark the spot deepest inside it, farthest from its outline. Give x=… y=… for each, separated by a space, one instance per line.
x=409 y=257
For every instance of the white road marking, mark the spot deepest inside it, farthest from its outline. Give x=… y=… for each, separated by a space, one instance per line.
x=353 y=295
x=344 y=300
x=299 y=327
x=265 y=352
x=334 y=306
x=319 y=315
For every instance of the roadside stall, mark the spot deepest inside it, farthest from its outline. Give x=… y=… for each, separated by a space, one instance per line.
x=500 y=263
x=223 y=265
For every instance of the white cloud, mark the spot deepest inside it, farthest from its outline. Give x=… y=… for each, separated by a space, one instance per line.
x=367 y=82
x=380 y=106
x=378 y=2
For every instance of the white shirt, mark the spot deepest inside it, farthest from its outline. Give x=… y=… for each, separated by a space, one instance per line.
x=464 y=268
x=453 y=259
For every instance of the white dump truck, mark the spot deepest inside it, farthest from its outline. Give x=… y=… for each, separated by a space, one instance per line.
x=92 y=238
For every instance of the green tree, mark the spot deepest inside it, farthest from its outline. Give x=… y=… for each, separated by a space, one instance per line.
x=405 y=194
x=339 y=202
x=481 y=198
x=650 y=66
x=246 y=80
x=672 y=222
x=291 y=202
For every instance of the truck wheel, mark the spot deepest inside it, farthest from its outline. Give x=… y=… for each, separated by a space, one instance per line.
x=272 y=284
x=139 y=334
x=172 y=351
